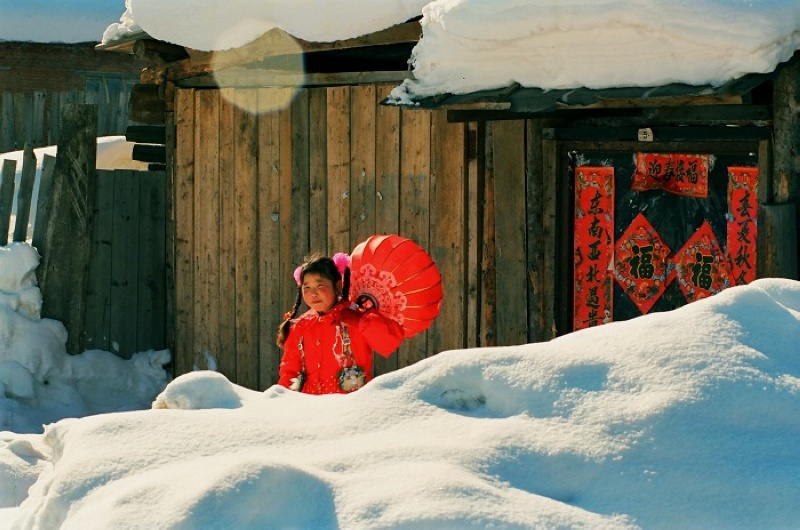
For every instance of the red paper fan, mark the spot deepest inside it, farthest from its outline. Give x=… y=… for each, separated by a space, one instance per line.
x=399 y=278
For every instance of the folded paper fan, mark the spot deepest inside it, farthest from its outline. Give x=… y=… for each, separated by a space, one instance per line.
x=398 y=278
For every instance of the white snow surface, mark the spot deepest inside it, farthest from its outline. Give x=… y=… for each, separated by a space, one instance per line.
x=40 y=383
x=679 y=419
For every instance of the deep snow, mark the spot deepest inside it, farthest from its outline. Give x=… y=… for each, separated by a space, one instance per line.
x=679 y=419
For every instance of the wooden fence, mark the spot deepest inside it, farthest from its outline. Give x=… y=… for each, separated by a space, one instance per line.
x=126 y=303
x=17 y=198
x=35 y=117
x=122 y=300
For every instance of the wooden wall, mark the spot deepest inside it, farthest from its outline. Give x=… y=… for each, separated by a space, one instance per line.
x=255 y=192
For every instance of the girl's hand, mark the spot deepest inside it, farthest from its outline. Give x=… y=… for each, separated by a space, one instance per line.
x=366 y=302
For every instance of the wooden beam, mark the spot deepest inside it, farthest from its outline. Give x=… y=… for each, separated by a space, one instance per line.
x=146 y=134
x=740 y=115
x=159 y=52
x=660 y=101
x=150 y=153
x=146 y=105
x=660 y=134
x=250 y=78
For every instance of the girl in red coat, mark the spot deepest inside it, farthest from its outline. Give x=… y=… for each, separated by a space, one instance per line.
x=328 y=349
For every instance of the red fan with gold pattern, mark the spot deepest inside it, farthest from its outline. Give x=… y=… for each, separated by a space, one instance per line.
x=398 y=278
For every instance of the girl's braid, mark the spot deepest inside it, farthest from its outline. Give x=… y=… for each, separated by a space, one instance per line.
x=283 y=329
x=346 y=284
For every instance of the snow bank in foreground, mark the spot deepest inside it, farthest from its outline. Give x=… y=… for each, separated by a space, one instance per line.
x=679 y=419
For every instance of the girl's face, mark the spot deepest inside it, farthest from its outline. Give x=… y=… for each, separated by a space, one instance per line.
x=319 y=293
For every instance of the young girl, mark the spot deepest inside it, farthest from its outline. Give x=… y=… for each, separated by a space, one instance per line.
x=328 y=349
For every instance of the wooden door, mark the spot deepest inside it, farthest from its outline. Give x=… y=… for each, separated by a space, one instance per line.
x=653 y=230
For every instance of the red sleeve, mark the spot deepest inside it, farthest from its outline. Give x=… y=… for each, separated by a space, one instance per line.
x=383 y=334
x=291 y=362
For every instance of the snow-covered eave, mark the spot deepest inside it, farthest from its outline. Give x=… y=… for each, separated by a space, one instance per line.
x=534 y=100
x=124 y=44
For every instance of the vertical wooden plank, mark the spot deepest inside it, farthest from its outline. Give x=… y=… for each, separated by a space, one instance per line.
x=338 y=119
x=448 y=230
x=206 y=215
x=289 y=253
x=98 y=294
x=124 y=265
x=38 y=101
x=786 y=134
x=270 y=279
x=534 y=199
x=474 y=248
x=387 y=188
x=387 y=165
x=227 y=222
x=44 y=201
x=246 y=241
x=52 y=114
x=21 y=121
x=488 y=309
x=300 y=181
x=778 y=222
x=170 y=239
x=7 y=186
x=550 y=292
x=785 y=162
x=7 y=135
x=362 y=164
x=183 y=197
x=415 y=162
x=25 y=193
x=318 y=167
x=509 y=174
x=68 y=237
x=151 y=254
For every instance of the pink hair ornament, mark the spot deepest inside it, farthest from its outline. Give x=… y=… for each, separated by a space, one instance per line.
x=342 y=262
x=340 y=259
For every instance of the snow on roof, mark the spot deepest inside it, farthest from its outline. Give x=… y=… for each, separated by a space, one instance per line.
x=473 y=45
x=467 y=45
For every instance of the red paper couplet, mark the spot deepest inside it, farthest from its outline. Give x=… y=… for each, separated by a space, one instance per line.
x=685 y=175
x=594 y=246
x=641 y=264
x=742 y=223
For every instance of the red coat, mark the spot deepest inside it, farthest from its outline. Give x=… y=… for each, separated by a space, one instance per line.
x=322 y=356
